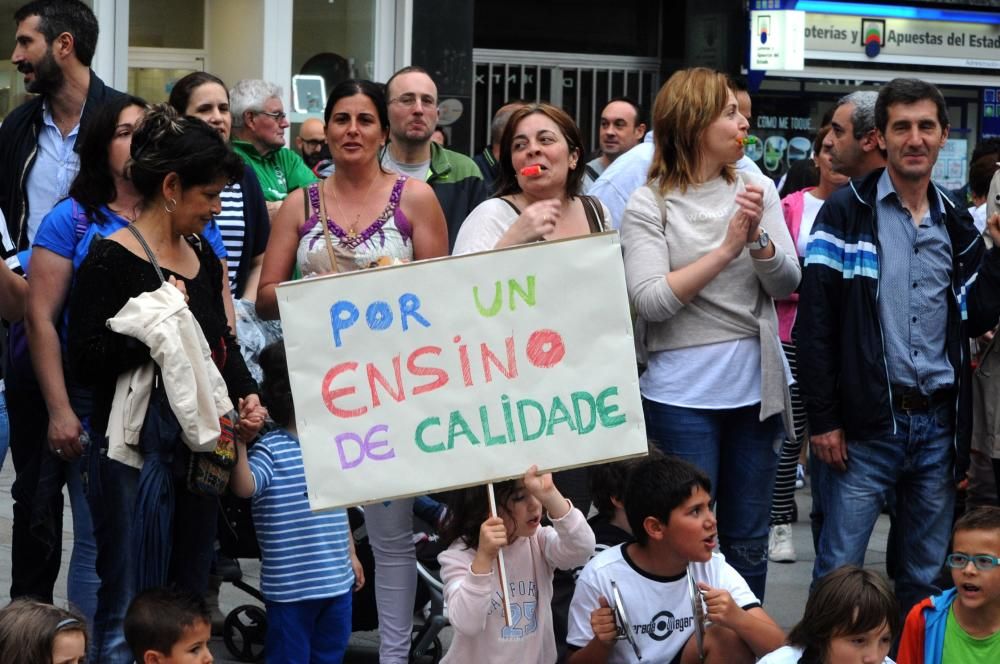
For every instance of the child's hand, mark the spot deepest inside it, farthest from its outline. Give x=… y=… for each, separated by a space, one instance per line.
x=252 y=416
x=492 y=536
x=722 y=610
x=602 y=622
x=359 y=571
x=542 y=487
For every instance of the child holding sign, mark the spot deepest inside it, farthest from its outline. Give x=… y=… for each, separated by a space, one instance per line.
x=308 y=562
x=532 y=552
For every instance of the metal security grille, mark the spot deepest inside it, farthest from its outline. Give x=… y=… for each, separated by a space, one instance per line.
x=579 y=83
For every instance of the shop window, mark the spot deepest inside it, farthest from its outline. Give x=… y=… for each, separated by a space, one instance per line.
x=333 y=40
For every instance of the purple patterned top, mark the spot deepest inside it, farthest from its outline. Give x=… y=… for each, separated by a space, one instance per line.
x=388 y=239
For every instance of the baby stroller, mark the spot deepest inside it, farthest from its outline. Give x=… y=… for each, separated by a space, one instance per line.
x=246 y=625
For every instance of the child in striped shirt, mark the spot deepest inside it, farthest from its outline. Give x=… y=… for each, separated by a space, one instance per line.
x=309 y=566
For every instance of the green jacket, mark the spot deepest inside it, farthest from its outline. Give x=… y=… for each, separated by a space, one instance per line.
x=458 y=184
x=279 y=172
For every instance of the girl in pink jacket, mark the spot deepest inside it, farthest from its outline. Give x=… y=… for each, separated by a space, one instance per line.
x=532 y=552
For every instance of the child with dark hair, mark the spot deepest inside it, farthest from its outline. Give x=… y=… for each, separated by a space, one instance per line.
x=169 y=626
x=851 y=616
x=532 y=553
x=668 y=506
x=607 y=487
x=961 y=624
x=35 y=633
x=308 y=562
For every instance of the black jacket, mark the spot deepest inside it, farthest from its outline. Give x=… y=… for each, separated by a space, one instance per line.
x=18 y=145
x=843 y=376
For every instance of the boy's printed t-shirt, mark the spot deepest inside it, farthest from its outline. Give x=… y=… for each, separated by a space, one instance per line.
x=658 y=608
x=961 y=648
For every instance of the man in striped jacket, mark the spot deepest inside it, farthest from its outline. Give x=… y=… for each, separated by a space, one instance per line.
x=896 y=280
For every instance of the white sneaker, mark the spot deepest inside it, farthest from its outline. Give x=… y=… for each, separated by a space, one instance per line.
x=780 y=548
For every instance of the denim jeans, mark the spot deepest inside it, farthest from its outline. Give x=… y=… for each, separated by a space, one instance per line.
x=740 y=456
x=112 y=494
x=4 y=429
x=918 y=461
x=313 y=631
x=82 y=582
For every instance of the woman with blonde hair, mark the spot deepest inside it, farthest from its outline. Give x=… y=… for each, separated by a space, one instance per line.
x=706 y=252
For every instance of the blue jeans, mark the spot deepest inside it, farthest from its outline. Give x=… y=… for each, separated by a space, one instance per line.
x=312 y=631
x=740 y=456
x=4 y=429
x=82 y=582
x=111 y=492
x=918 y=461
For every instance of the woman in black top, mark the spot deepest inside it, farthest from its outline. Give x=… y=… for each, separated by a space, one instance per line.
x=179 y=166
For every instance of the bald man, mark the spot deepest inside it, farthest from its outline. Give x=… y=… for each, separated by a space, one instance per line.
x=311 y=141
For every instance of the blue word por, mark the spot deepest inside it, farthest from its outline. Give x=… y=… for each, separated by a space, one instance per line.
x=378 y=315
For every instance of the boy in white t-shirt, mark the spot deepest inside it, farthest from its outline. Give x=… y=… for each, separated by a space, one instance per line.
x=668 y=505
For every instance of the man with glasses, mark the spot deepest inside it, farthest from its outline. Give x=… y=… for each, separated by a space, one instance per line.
x=413 y=115
x=259 y=124
x=961 y=624
x=311 y=141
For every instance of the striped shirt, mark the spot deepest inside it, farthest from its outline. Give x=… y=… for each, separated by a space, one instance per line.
x=305 y=555
x=233 y=228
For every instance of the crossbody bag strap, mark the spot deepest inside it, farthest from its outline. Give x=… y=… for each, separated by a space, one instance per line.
x=149 y=252
x=595 y=214
x=326 y=229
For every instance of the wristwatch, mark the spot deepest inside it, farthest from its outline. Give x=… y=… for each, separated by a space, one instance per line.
x=762 y=242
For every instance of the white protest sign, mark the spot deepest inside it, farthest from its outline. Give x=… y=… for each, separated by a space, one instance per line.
x=459 y=371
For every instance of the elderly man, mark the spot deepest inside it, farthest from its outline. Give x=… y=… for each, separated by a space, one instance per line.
x=413 y=114
x=259 y=124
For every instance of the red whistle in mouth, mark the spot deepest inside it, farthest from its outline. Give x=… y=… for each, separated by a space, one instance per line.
x=532 y=171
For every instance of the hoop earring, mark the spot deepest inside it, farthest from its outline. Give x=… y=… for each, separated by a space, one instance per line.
x=173 y=201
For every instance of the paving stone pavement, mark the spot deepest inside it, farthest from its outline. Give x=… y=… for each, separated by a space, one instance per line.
x=787 y=584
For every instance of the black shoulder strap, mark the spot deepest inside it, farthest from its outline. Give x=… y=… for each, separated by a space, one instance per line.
x=589 y=170
x=149 y=252
x=511 y=204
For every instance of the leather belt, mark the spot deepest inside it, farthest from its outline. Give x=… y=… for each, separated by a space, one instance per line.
x=910 y=399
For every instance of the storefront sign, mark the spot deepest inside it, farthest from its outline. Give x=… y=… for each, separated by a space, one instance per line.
x=902 y=41
x=777 y=40
x=447 y=373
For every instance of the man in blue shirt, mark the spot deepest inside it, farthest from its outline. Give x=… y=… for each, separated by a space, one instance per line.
x=631 y=170
x=896 y=280
x=55 y=43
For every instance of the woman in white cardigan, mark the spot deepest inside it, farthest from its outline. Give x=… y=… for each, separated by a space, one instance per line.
x=706 y=252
